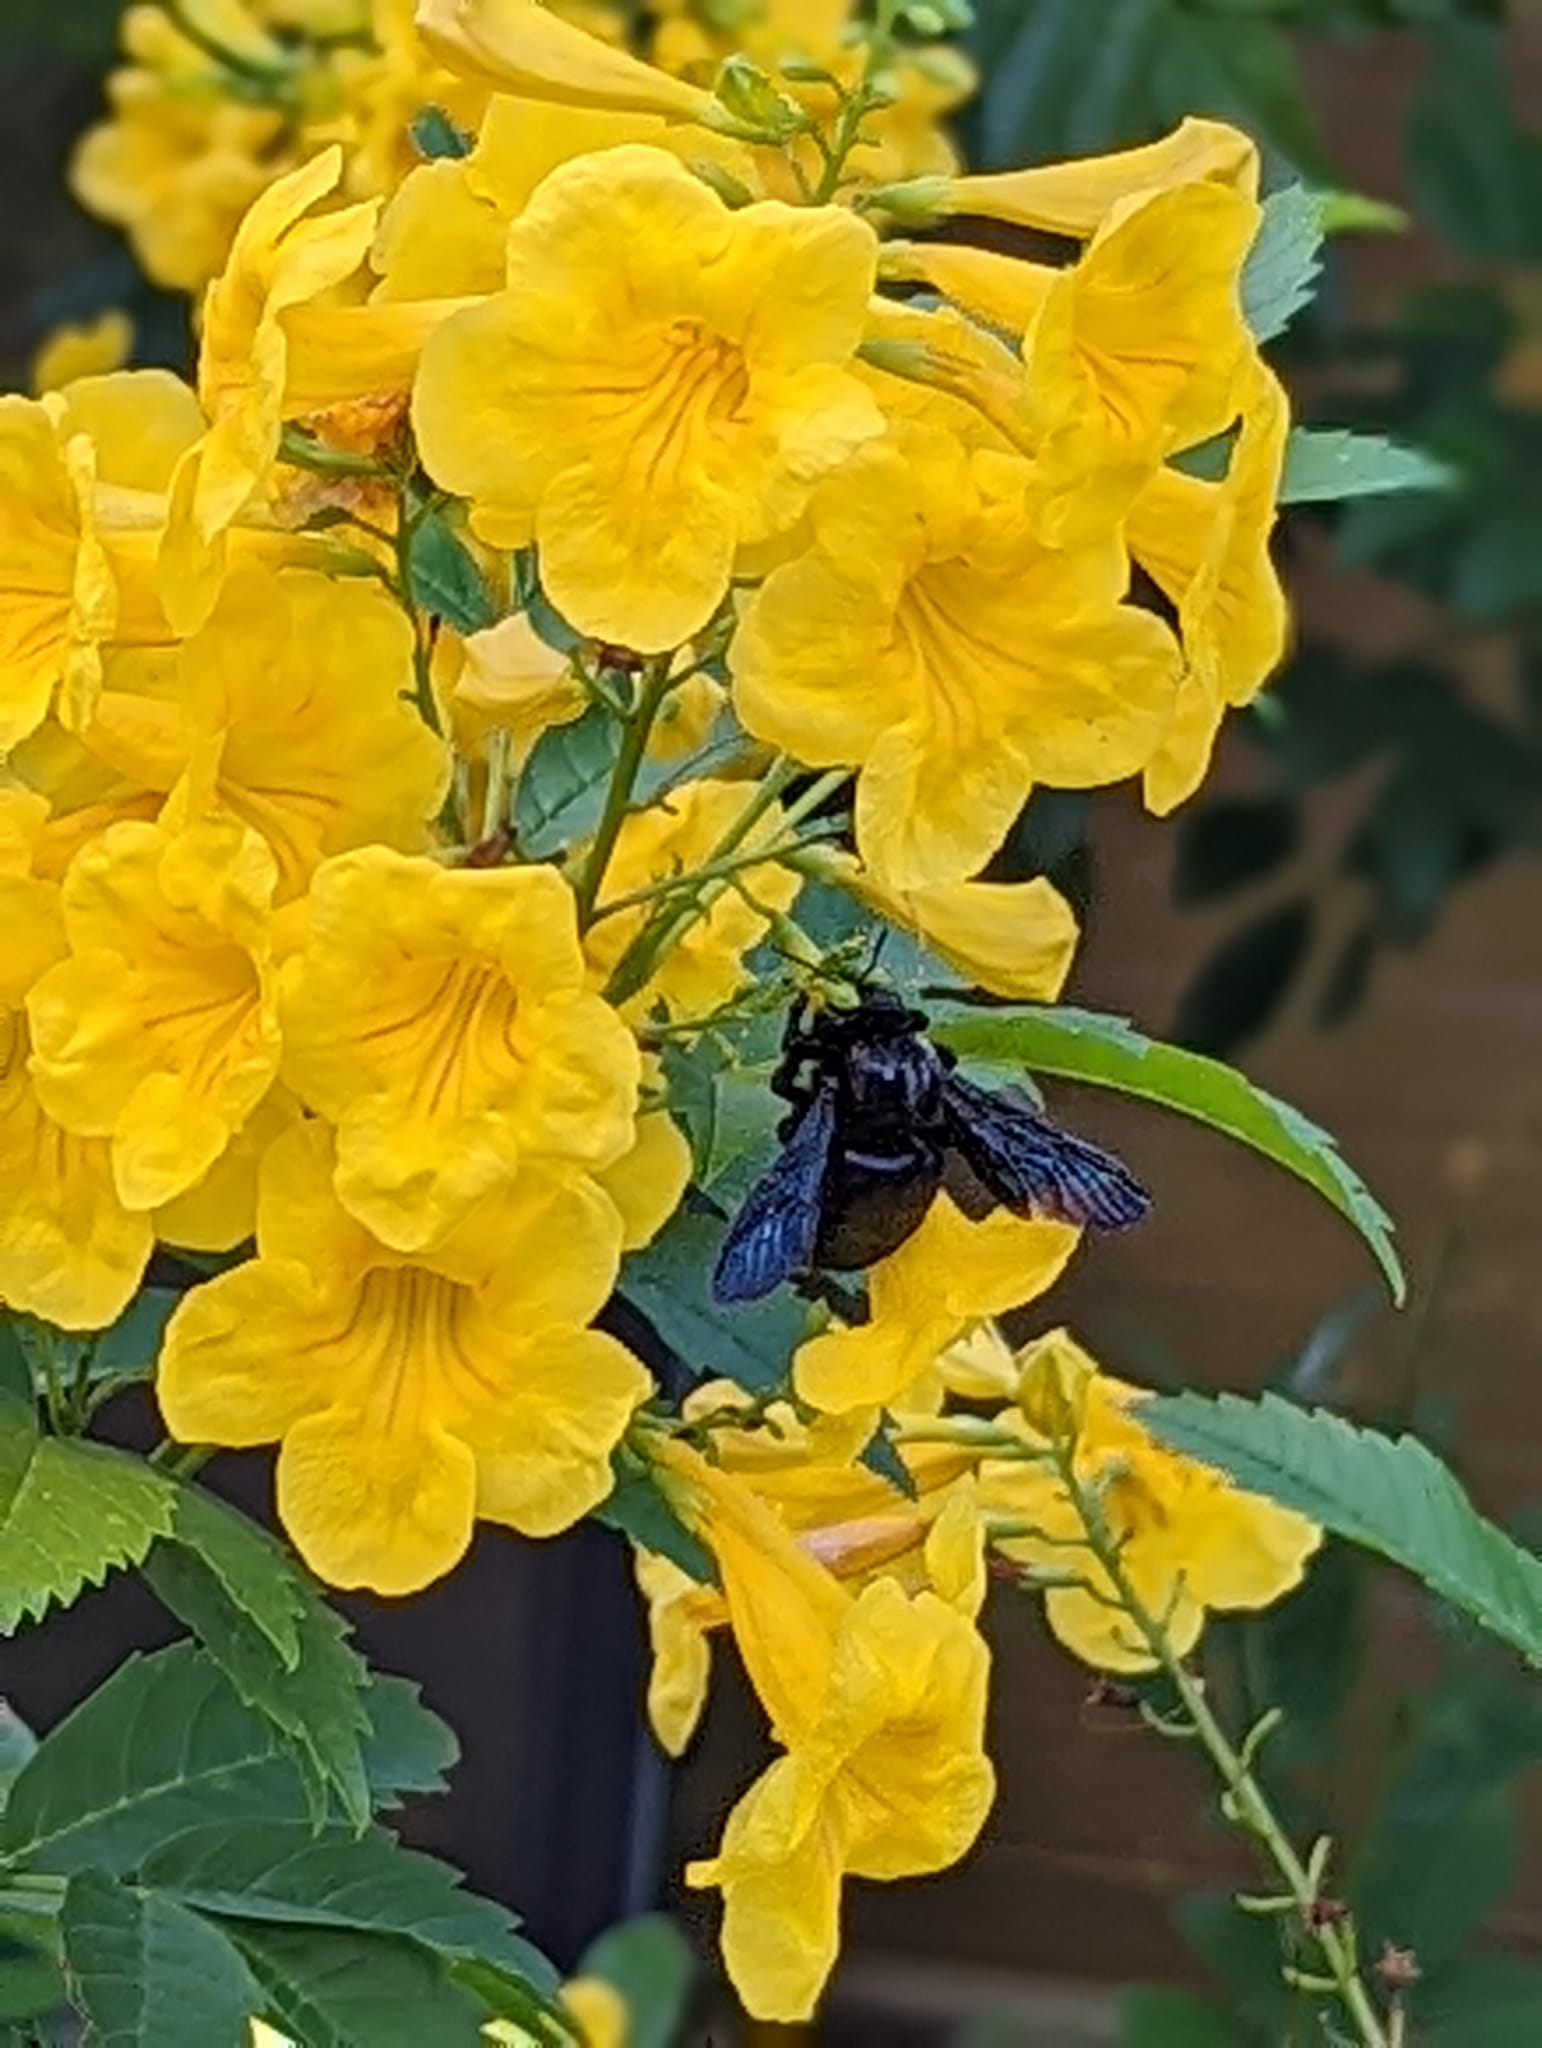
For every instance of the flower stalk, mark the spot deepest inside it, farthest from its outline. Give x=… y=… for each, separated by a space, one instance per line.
x=654 y=688
x=1243 y=1800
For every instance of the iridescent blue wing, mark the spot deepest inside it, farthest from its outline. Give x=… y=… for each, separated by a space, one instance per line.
x=774 y=1234
x=1033 y=1167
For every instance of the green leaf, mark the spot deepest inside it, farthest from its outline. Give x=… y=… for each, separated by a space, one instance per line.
x=334 y=1989
x=1326 y=464
x=1482 y=2000
x=1390 y=1494
x=408 y=1749
x=445 y=580
x=133 y=1343
x=15 y=1372
x=670 y=1283
x=284 y=1871
x=149 y=1974
x=884 y=1461
x=70 y=1513
x=31 y=1977
x=562 y=789
x=1082 y=1045
x=650 y=1963
x=18 y=1746
x=637 y=1509
x=1162 y=2017
x=1285 y=261
x=255 y=1573
x=165 y=1744
x=1431 y=1879
x=314 y=1698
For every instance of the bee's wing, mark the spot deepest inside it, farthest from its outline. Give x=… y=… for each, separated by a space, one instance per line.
x=1032 y=1166
x=774 y=1234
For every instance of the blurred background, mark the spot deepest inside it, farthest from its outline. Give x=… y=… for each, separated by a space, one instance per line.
x=1352 y=910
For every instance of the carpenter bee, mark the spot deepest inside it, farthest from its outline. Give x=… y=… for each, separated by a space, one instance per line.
x=879 y=1122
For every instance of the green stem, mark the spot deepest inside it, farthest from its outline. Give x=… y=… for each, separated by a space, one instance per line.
x=714 y=871
x=407 y=524
x=180 y=1461
x=232 y=60
x=300 y=451
x=1246 y=1802
x=635 y=732
x=855 y=108
x=665 y=929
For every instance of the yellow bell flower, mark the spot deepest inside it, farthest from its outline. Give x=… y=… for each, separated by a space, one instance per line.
x=179 y=160
x=89 y=348
x=706 y=969
x=446 y=231
x=1138 y=350
x=935 y=366
x=410 y=1396
x=1015 y=939
x=508 y=679
x=84 y=794
x=1001 y=290
x=160 y=1032
x=282 y=257
x=521 y=46
x=931 y=640
x=680 y=1614
x=663 y=382
x=648 y=1182
x=1206 y=546
x=879 y=1701
x=58 y=593
x=69 y=1250
x=140 y=423
x=440 y=1018
x=220 y=1211
x=946 y=1277
x=1076 y=197
x=290 y=712
x=82 y=477
x=1189 y=1540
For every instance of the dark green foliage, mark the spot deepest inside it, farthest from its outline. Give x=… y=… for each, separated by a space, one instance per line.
x=202 y=1890
x=1388 y=1494
x=446 y=582
x=1235 y=994
x=1231 y=843
x=640 y=1511
x=670 y=1283
x=562 y=790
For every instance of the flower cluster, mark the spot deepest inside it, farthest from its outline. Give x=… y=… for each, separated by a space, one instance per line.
x=427 y=737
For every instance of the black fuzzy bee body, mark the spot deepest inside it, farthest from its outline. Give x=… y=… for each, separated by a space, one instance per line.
x=879 y=1122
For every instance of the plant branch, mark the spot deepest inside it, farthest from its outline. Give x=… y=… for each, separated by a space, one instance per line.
x=637 y=727
x=1244 y=1802
x=665 y=929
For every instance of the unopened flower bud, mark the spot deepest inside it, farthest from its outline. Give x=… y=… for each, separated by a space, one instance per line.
x=756 y=104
